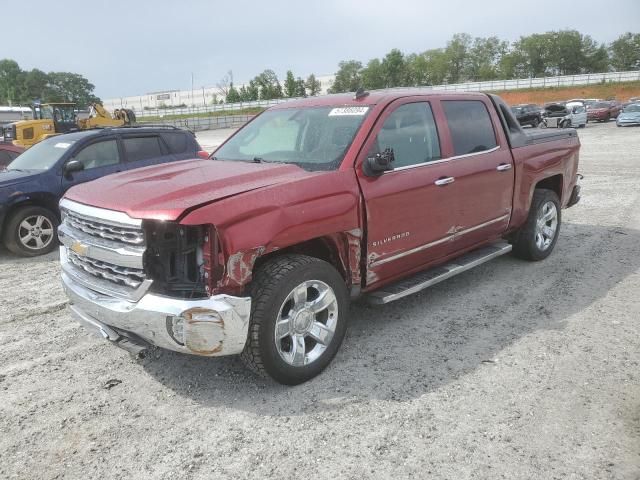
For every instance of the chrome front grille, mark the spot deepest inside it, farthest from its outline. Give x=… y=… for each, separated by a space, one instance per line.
x=103 y=250
x=97 y=228
x=129 y=277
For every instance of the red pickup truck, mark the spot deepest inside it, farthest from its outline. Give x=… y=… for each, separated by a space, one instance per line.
x=313 y=203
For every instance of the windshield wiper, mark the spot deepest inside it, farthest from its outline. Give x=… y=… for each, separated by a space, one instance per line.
x=258 y=159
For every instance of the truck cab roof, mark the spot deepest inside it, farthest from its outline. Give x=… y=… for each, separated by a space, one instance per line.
x=375 y=97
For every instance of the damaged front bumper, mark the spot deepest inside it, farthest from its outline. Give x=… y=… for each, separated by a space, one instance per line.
x=215 y=326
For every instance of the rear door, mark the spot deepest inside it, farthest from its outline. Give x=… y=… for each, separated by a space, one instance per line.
x=483 y=173
x=408 y=209
x=101 y=157
x=144 y=149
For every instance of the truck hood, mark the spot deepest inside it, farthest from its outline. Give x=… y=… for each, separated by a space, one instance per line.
x=166 y=192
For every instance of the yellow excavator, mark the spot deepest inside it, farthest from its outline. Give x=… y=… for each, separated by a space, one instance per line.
x=51 y=119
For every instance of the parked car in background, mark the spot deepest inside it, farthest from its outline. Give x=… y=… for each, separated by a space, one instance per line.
x=311 y=204
x=31 y=186
x=631 y=101
x=8 y=153
x=630 y=115
x=528 y=114
x=603 y=111
x=565 y=115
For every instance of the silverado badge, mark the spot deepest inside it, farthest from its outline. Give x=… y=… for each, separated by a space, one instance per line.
x=79 y=248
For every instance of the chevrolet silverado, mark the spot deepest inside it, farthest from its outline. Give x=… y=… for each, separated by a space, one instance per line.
x=313 y=203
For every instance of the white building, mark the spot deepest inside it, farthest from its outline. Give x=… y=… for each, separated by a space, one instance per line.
x=198 y=97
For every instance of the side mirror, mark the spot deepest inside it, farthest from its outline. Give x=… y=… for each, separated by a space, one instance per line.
x=379 y=163
x=73 y=166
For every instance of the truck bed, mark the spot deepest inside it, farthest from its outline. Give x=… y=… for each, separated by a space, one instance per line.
x=543 y=135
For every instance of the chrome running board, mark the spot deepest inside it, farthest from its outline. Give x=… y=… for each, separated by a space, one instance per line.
x=426 y=279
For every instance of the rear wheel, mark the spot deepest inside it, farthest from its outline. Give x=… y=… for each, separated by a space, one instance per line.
x=537 y=237
x=31 y=231
x=298 y=318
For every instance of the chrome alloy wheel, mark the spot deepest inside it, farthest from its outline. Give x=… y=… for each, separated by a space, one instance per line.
x=546 y=225
x=35 y=232
x=306 y=323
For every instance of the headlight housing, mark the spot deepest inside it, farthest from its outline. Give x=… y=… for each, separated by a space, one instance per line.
x=182 y=260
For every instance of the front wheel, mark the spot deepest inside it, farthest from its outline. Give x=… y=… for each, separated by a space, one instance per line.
x=298 y=318
x=31 y=231
x=535 y=123
x=537 y=237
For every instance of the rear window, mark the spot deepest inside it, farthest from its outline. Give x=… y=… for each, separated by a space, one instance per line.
x=178 y=142
x=142 y=148
x=470 y=126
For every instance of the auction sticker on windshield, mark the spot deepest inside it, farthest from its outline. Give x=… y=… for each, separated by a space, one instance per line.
x=62 y=145
x=341 y=111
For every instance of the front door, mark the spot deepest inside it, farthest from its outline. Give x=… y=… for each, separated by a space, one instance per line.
x=99 y=159
x=409 y=221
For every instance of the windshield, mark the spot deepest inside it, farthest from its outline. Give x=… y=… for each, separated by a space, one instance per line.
x=516 y=110
x=312 y=138
x=42 y=156
x=632 y=108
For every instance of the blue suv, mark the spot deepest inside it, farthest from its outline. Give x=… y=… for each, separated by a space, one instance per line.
x=32 y=185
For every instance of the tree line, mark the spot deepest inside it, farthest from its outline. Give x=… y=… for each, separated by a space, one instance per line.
x=267 y=86
x=463 y=59
x=19 y=86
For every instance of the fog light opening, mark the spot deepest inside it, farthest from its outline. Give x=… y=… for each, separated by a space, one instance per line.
x=175 y=328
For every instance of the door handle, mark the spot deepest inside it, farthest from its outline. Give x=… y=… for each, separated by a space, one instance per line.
x=441 y=182
x=503 y=167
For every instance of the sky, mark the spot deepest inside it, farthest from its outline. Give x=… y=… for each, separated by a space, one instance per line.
x=138 y=46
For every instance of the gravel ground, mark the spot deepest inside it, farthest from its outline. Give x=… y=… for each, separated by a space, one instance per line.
x=513 y=370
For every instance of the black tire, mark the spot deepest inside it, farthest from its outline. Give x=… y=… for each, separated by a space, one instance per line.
x=526 y=244
x=273 y=284
x=14 y=231
x=535 y=123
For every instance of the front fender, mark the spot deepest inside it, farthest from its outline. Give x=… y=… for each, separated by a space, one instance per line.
x=265 y=220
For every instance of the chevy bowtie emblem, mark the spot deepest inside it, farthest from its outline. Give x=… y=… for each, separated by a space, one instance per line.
x=79 y=248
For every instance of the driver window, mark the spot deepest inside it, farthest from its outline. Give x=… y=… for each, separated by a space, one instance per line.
x=411 y=132
x=99 y=154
